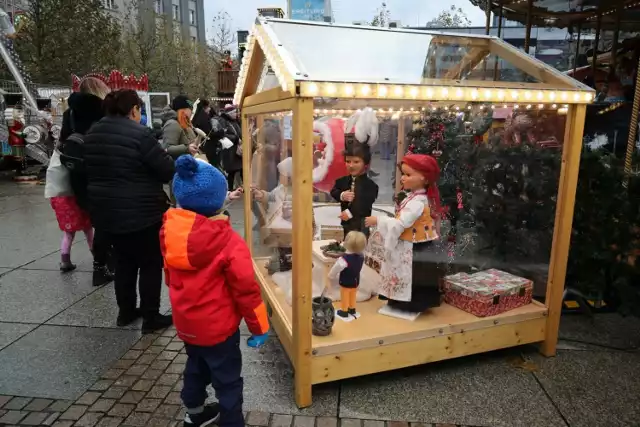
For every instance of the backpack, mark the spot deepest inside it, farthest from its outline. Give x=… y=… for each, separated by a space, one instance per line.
x=73 y=164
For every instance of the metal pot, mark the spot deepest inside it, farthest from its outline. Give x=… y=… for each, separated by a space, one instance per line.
x=322 y=316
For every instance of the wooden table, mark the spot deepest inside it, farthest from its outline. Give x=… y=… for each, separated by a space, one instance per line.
x=325 y=261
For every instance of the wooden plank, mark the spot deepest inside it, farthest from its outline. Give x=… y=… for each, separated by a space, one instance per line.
x=532 y=66
x=563 y=224
x=376 y=329
x=389 y=357
x=470 y=61
x=254 y=73
x=246 y=181
x=400 y=149
x=282 y=105
x=302 y=236
x=271 y=95
x=280 y=315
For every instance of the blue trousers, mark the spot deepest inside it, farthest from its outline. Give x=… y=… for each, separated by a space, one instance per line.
x=219 y=365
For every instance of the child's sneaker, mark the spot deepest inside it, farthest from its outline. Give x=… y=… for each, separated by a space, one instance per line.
x=208 y=416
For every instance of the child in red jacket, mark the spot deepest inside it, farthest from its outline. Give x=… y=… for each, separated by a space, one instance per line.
x=212 y=288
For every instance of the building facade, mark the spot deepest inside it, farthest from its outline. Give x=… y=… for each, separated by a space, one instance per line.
x=188 y=15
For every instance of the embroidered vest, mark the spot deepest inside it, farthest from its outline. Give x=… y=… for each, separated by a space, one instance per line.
x=423 y=230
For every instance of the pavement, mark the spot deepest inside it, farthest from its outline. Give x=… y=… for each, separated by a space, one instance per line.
x=64 y=362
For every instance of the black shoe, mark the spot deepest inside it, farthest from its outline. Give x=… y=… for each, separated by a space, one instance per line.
x=342 y=314
x=156 y=322
x=352 y=311
x=210 y=415
x=101 y=275
x=67 y=267
x=125 y=318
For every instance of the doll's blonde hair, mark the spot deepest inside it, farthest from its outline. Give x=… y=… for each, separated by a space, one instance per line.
x=355 y=242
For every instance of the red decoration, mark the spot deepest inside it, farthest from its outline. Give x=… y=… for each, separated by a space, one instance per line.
x=116 y=80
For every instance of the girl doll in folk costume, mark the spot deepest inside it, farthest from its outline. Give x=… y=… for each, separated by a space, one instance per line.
x=411 y=271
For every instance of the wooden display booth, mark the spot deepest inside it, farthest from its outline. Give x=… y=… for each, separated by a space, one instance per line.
x=303 y=70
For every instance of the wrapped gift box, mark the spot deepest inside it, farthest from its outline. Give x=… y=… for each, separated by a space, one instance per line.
x=488 y=292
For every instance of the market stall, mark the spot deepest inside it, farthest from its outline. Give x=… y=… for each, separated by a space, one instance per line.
x=337 y=84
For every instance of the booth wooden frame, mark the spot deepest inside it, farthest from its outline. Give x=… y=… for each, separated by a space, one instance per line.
x=317 y=360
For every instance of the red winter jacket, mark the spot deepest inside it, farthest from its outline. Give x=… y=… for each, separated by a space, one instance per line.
x=210 y=277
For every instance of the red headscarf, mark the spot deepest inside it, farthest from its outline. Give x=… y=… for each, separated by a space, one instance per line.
x=428 y=167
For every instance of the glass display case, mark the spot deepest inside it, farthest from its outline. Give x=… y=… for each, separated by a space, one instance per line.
x=505 y=132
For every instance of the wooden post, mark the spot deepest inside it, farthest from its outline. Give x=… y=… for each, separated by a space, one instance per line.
x=563 y=223
x=302 y=123
x=400 y=150
x=247 y=181
x=527 y=34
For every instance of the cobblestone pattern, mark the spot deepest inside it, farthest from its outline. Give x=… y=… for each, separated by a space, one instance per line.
x=143 y=389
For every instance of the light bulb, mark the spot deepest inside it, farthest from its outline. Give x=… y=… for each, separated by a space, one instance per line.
x=459 y=93
x=540 y=96
x=445 y=92
x=398 y=91
x=500 y=94
x=382 y=91
x=365 y=90
x=527 y=95
x=414 y=92
x=474 y=94
x=514 y=94
x=348 y=90
x=487 y=94
x=331 y=89
x=429 y=93
x=313 y=88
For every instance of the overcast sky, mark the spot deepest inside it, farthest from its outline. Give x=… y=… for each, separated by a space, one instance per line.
x=409 y=12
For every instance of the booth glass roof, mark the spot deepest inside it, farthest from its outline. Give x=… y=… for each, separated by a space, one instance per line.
x=408 y=63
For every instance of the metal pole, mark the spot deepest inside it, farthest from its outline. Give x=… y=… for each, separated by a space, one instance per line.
x=487 y=27
x=633 y=129
x=16 y=74
x=596 y=43
x=527 y=35
x=495 y=64
x=575 y=58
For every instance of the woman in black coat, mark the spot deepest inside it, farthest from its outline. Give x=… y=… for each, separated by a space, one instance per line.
x=126 y=170
x=85 y=108
x=202 y=120
x=230 y=128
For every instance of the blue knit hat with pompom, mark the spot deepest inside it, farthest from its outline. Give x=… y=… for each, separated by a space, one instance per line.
x=198 y=186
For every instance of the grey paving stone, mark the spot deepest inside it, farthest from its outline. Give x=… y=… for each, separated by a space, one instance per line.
x=90 y=419
x=151 y=374
x=10 y=332
x=52 y=417
x=281 y=420
x=255 y=418
x=371 y=423
x=132 y=397
x=597 y=400
x=168 y=379
x=102 y=405
x=114 y=392
x=60 y=405
x=349 y=422
x=137 y=419
x=4 y=399
x=142 y=385
x=38 y=405
x=160 y=364
x=110 y=422
x=609 y=329
x=88 y=398
x=493 y=391
x=173 y=398
x=125 y=381
x=145 y=359
x=267 y=369
x=397 y=424
x=159 y=392
x=166 y=411
x=304 y=421
x=53 y=291
x=326 y=422
x=99 y=310
x=17 y=403
x=63 y=423
x=121 y=410
x=159 y=422
x=148 y=405
x=101 y=385
x=63 y=362
x=12 y=417
x=35 y=419
x=74 y=412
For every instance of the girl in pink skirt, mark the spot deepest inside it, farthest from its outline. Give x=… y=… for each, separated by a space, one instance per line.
x=70 y=219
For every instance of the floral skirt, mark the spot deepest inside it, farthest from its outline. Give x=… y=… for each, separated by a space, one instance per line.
x=69 y=215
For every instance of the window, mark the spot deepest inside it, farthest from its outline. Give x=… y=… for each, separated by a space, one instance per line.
x=109 y=4
x=192 y=17
x=176 y=12
x=159 y=7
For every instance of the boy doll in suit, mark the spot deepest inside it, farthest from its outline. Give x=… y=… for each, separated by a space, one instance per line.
x=356 y=192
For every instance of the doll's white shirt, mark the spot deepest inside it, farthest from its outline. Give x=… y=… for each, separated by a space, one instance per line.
x=340 y=265
x=392 y=228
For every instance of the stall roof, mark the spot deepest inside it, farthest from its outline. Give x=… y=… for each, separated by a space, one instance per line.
x=568 y=13
x=348 y=61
